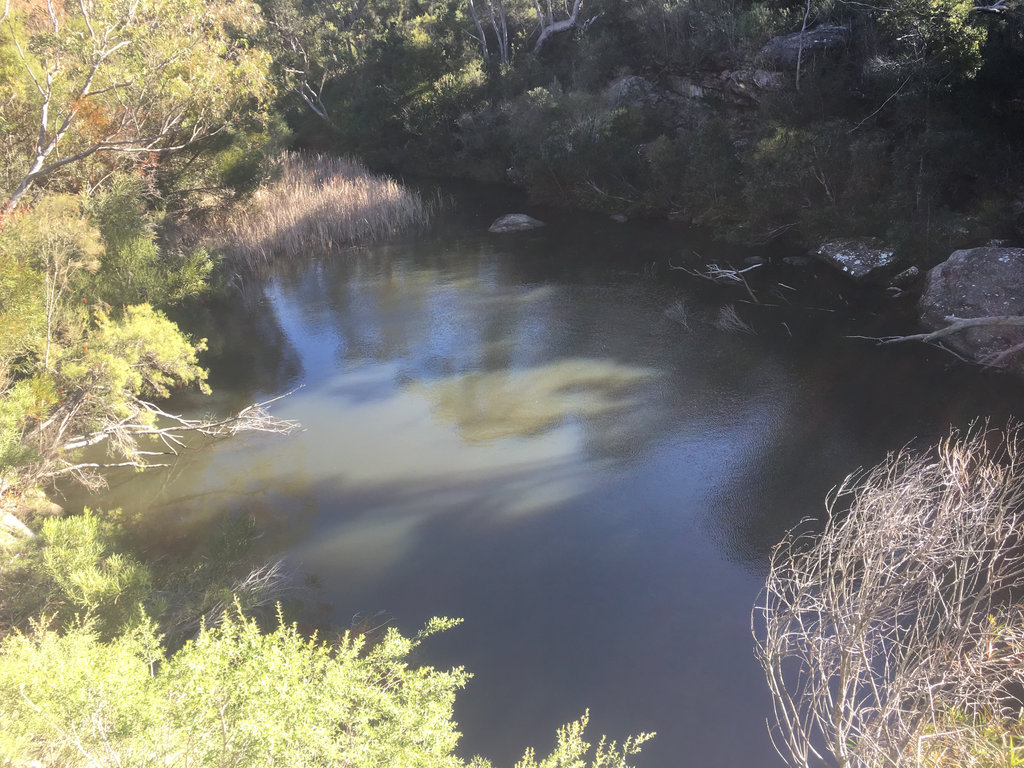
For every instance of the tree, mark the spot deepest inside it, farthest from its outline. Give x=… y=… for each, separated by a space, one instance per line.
x=499 y=23
x=550 y=27
x=320 y=41
x=125 y=80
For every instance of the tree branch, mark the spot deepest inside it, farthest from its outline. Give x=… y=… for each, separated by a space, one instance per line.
x=956 y=325
x=547 y=30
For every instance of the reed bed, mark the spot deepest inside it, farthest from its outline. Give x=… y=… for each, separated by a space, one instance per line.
x=319 y=202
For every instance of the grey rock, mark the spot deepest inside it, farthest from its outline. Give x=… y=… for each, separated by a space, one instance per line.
x=907 y=277
x=634 y=91
x=743 y=87
x=514 y=222
x=978 y=282
x=860 y=258
x=619 y=218
x=785 y=50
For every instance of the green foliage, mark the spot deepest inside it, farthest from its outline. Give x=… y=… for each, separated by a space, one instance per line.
x=133 y=269
x=56 y=259
x=74 y=572
x=688 y=35
x=55 y=237
x=697 y=174
x=574 y=145
x=240 y=696
x=23 y=316
x=571 y=749
x=93 y=681
x=118 y=75
x=16 y=407
x=142 y=354
x=89 y=579
x=938 y=38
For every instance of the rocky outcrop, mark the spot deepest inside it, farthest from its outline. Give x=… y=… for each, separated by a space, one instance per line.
x=786 y=50
x=635 y=92
x=985 y=282
x=860 y=258
x=514 y=222
x=740 y=87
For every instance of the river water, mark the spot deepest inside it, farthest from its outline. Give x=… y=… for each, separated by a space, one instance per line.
x=549 y=435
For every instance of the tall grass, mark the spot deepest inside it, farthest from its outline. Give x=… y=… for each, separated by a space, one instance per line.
x=317 y=203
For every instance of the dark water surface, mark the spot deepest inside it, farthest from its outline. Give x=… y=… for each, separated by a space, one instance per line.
x=525 y=432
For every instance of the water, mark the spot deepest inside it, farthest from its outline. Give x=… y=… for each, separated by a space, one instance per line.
x=520 y=431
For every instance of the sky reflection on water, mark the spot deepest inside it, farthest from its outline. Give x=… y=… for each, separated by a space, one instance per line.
x=542 y=450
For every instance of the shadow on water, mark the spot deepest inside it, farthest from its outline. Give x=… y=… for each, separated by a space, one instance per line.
x=529 y=433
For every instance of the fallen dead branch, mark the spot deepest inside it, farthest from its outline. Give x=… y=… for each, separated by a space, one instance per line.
x=959 y=325
x=167 y=428
x=718 y=274
x=956 y=325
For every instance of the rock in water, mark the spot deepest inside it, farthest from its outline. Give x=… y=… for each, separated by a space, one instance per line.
x=860 y=258
x=978 y=282
x=515 y=222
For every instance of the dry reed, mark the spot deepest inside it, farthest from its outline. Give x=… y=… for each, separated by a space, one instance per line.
x=318 y=202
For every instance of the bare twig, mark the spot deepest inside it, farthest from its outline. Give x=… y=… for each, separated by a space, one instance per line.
x=717 y=274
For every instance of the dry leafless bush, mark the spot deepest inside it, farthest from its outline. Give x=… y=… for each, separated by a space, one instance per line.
x=729 y=319
x=891 y=638
x=318 y=202
x=679 y=313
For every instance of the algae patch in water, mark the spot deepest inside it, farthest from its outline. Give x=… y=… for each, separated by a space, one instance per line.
x=518 y=403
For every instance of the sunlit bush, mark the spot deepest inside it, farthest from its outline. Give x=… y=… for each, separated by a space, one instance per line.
x=240 y=696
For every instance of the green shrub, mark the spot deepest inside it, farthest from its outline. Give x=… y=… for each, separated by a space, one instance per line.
x=89 y=578
x=238 y=696
x=575 y=147
x=133 y=269
x=72 y=572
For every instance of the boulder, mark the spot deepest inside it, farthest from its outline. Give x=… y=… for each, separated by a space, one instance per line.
x=515 y=222
x=973 y=283
x=634 y=92
x=741 y=87
x=861 y=258
x=785 y=50
x=638 y=94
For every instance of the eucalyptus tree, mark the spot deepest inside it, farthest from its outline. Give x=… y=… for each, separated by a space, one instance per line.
x=121 y=82
x=319 y=41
